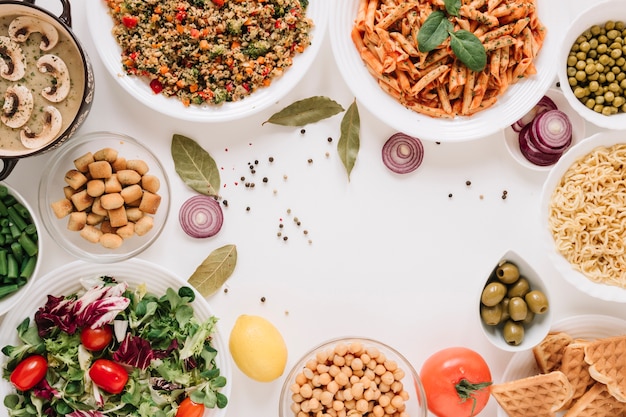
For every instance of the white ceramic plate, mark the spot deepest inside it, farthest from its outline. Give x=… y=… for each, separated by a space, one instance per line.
x=516 y=102
x=580 y=281
x=523 y=364
x=65 y=280
x=598 y=12
x=578 y=131
x=101 y=24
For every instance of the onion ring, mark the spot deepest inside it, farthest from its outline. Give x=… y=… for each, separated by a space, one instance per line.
x=201 y=216
x=402 y=153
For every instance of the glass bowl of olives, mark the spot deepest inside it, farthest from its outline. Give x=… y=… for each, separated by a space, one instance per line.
x=592 y=64
x=514 y=305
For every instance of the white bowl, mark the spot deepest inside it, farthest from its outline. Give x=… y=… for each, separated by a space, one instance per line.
x=540 y=326
x=511 y=138
x=515 y=103
x=574 y=277
x=415 y=405
x=101 y=24
x=592 y=326
x=51 y=190
x=65 y=280
x=599 y=13
x=10 y=301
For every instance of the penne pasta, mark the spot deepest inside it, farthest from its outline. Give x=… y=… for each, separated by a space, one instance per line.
x=436 y=83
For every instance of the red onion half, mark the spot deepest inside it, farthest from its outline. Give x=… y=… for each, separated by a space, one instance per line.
x=533 y=154
x=551 y=131
x=402 y=153
x=201 y=216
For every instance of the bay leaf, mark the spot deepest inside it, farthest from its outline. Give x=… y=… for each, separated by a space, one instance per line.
x=303 y=112
x=349 y=141
x=195 y=166
x=215 y=270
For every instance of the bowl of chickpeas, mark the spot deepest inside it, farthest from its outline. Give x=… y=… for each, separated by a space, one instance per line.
x=105 y=197
x=353 y=376
x=592 y=64
x=514 y=304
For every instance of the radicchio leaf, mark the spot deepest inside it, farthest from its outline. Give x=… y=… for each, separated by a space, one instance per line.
x=137 y=351
x=86 y=413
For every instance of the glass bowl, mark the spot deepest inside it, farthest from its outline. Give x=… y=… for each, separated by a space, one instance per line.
x=317 y=364
x=598 y=13
x=51 y=190
x=9 y=301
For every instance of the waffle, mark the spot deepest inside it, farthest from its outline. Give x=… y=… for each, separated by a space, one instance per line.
x=597 y=402
x=607 y=364
x=537 y=396
x=549 y=351
x=575 y=368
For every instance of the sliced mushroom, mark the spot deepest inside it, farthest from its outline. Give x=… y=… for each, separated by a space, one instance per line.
x=51 y=128
x=12 y=65
x=17 y=107
x=21 y=27
x=60 y=88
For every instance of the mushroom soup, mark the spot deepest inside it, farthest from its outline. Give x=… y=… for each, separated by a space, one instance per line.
x=41 y=84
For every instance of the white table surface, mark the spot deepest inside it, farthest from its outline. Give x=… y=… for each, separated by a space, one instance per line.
x=392 y=257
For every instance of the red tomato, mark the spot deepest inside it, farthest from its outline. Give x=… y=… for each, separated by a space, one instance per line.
x=130 y=21
x=190 y=409
x=96 y=339
x=108 y=375
x=29 y=372
x=456 y=381
x=219 y=3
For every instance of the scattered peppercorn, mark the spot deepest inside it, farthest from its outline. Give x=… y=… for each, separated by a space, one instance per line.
x=468 y=183
x=310 y=161
x=248 y=208
x=302 y=131
x=450 y=195
x=265 y=179
x=271 y=159
x=262 y=299
x=329 y=139
x=256 y=162
x=225 y=203
x=225 y=290
x=285 y=238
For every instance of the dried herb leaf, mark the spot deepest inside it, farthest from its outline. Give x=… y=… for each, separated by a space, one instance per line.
x=308 y=110
x=349 y=141
x=213 y=272
x=195 y=166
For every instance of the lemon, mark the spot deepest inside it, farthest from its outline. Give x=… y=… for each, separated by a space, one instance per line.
x=258 y=348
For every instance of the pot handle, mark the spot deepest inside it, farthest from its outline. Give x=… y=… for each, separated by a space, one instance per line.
x=66 y=15
x=7 y=167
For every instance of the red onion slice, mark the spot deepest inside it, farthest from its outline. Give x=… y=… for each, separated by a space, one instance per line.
x=531 y=153
x=546 y=103
x=201 y=216
x=402 y=153
x=551 y=132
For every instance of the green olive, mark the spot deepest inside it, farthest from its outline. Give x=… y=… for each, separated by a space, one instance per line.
x=513 y=333
x=530 y=316
x=517 y=309
x=491 y=316
x=508 y=273
x=519 y=289
x=537 y=301
x=493 y=293
x=505 y=309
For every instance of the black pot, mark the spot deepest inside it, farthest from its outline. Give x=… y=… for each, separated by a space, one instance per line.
x=63 y=25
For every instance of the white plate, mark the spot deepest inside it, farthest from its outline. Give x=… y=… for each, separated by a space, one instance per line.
x=65 y=280
x=517 y=101
x=523 y=364
x=578 y=131
x=101 y=24
x=574 y=277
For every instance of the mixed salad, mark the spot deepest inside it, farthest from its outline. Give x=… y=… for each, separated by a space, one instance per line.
x=109 y=350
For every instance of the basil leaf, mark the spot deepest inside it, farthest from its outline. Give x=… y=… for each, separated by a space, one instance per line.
x=303 y=112
x=434 y=31
x=469 y=49
x=452 y=7
x=195 y=166
x=213 y=272
x=349 y=141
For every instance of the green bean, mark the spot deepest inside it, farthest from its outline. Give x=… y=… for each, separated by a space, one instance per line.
x=28 y=267
x=17 y=251
x=13 y=270
x=8 y=289
x=27 y=244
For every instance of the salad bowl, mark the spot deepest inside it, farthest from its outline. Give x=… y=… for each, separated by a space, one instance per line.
x=136 y=273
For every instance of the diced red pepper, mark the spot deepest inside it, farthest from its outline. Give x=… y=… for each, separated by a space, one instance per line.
x=230 y=87
x=156 y=86
x=181 y=15
x=130 y=21
x=219 y=3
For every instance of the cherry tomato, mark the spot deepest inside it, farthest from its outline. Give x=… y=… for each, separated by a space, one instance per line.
x=29 y=372
x=456 y=381
x=96 y=339
x=190 y=409
x=108 y=375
